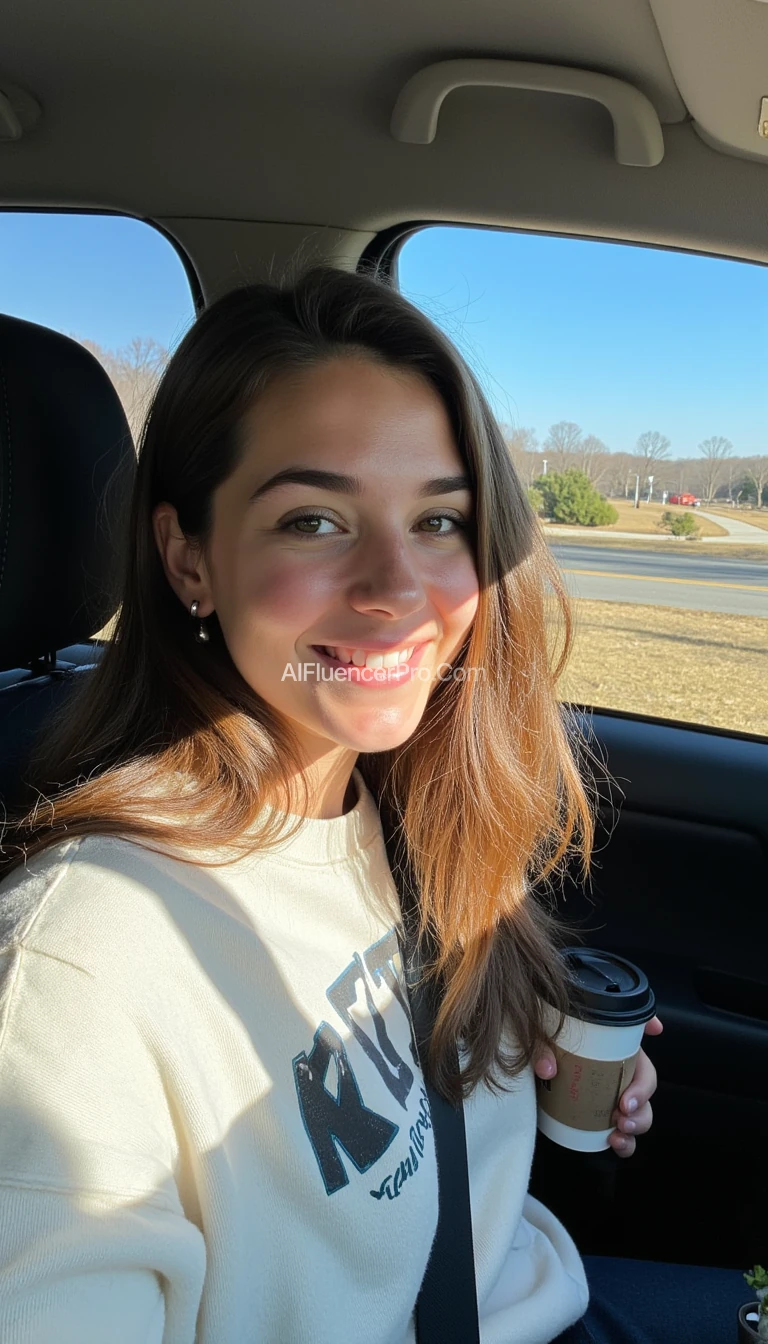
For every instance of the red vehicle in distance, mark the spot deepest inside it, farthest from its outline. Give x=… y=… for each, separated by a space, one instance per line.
x=684 y=499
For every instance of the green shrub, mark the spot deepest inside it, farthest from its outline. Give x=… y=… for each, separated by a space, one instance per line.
x=535 y=499
x=570 y=497
x=679 y=524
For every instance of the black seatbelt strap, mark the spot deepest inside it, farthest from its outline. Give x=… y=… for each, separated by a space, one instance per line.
x=446 y=1307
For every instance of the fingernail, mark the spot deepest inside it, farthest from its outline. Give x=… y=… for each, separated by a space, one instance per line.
x=629 y=1126
x=632 y=1104
x=620 y=1143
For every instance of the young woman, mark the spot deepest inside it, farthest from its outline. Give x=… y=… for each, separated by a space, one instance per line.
x=214 y=1121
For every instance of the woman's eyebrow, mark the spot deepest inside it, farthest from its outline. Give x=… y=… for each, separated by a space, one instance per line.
x=351 y=485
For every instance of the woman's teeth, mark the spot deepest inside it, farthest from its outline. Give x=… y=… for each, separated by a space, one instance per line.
x=361 y=659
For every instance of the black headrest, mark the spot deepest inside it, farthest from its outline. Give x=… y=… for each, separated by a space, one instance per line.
x=67 y=464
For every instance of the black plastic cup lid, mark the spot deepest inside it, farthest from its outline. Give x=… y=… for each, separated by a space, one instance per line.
x=607 y=989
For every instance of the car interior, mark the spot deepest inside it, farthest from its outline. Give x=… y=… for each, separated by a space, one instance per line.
x=260 y=137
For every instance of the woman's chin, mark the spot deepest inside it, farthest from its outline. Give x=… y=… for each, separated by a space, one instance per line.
x=390 y=730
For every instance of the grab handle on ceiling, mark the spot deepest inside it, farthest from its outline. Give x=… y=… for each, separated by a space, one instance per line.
x=637 y=136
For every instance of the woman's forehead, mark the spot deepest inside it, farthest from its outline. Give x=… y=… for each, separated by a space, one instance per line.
x=346 y=407
x=341 y=383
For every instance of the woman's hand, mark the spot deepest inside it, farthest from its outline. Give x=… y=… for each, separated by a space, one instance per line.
x=634 y=1115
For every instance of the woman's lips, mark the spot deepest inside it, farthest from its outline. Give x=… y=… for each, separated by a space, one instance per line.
x=373 y=676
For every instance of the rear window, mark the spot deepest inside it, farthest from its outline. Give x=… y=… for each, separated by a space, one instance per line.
x=115 y=284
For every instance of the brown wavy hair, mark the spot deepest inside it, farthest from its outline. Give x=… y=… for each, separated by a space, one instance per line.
x=166 y=737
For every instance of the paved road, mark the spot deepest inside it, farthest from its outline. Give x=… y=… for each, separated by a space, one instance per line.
x=696 y=584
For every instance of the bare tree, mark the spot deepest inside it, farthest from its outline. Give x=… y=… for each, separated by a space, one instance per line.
x=523 y=449
x=519 y=441
x=526 y=456
x=651 y=447
x=615 y=480
x=714 y=452
x=135 y=371
x=634 y=469
x=757 y=471
x=561 y=446
x=593 y=458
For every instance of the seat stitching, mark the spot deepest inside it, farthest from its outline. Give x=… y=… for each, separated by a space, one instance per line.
x=10 y=477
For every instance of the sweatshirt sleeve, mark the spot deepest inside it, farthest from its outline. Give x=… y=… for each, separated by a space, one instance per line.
x=94 y=1244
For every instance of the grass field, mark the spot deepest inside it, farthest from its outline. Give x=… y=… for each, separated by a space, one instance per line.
x=694 y=666
x=644 y=520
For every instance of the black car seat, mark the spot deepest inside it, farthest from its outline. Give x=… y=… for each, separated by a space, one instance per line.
x=67 y=464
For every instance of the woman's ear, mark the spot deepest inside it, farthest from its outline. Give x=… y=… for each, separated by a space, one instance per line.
x=183 y=562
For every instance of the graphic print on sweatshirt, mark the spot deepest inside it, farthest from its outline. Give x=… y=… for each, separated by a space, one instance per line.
x=337 y=1120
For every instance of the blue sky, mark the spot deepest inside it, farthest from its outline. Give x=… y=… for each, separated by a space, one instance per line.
x=619 y=339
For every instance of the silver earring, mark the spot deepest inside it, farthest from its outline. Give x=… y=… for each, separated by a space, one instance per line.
x=201 y=634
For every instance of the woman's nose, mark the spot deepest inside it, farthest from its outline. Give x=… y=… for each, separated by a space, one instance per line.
x=387 y=574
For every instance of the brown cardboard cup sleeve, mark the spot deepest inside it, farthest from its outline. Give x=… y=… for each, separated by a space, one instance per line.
x=585 y=1092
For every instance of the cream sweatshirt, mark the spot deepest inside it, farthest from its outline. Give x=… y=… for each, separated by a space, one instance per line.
x=213 y=1127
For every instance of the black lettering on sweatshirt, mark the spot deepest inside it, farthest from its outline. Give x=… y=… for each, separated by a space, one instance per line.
x=343 y=994
x=383 y=960
x=364 y=1135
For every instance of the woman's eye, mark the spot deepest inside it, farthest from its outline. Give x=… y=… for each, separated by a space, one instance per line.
x=292 y=525
x=444 y=518
x=306 y=518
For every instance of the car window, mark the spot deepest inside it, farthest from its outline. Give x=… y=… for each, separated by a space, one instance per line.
x=629 y=384
x=115 y=284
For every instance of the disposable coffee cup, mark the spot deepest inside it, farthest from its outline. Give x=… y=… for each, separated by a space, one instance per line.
x=597 y=1050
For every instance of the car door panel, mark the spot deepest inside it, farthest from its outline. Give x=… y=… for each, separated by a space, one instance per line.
x=680 y=886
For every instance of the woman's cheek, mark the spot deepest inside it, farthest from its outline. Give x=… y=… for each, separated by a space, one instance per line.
x=274 y=611
x=461 y=598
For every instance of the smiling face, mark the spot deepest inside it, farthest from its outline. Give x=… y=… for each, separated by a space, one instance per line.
x=387 y=563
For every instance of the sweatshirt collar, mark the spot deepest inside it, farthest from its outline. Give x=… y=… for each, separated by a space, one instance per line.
x=331 y=839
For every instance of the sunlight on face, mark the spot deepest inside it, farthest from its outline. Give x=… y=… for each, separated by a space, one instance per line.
x=302 y=566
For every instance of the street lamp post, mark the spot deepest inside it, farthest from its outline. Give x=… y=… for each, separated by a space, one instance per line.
x=637 y=489
x=650 y=488
x=545 y=467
